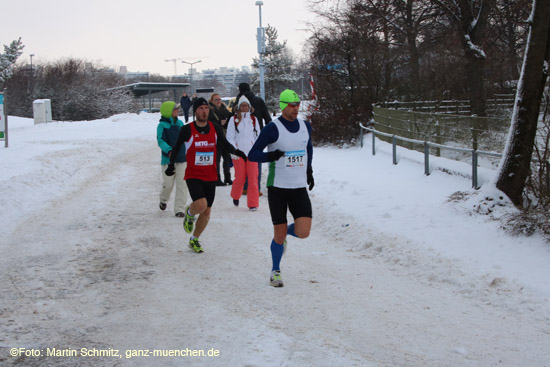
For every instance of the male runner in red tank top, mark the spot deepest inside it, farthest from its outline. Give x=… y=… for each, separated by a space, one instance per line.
x=202 y=139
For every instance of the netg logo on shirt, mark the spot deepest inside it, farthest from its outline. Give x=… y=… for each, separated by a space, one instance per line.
x=202 y=144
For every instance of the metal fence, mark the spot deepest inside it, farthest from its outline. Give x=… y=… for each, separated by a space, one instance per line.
x=494 y=106
x=425 y=147
x=479 y=133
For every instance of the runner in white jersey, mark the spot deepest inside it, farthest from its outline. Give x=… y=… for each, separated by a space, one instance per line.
x=289 y=151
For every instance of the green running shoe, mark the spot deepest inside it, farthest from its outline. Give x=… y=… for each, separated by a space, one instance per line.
x=195 y=245
x=275 y=279
x=188 y=221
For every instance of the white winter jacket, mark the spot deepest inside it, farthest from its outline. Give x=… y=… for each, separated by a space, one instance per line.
x=243 y=135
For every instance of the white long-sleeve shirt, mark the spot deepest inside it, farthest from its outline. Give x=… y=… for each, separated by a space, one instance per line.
x=247 y=132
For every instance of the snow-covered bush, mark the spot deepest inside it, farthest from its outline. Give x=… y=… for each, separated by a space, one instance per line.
x=78 y=90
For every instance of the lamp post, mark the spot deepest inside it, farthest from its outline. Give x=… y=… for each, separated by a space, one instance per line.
x=261 y=49
x=191 y=73
x=31 y=83
x=175 y=67
x=31 y=55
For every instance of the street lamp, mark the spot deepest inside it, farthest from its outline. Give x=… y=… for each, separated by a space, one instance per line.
x=191 y=73
x=261 y=49
x=175 y=67
x=31 y=55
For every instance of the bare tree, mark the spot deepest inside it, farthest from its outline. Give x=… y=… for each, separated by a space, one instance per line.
x=470 y=18
x=348 y=60
x=514 y=166
x=507 y=32
x=409 y=21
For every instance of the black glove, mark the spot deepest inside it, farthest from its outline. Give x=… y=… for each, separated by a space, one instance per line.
x=275 y=155
x=171 y=170
x=241 y=154
x=310 y=180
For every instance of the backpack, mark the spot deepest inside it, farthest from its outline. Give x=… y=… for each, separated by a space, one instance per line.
x=253 y=123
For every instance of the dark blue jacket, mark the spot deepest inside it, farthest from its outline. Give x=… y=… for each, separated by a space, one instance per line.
x=185 y=103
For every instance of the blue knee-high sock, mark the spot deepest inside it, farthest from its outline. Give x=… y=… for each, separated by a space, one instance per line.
x=290 y=230
x=276 y=254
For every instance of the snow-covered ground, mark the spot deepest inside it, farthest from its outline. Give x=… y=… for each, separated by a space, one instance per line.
x=397 y=271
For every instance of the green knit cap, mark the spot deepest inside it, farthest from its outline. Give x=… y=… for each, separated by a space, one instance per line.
x=166 y=109
x=288 y=96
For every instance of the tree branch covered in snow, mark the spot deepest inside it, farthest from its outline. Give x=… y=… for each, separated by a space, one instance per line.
x=8 y=58
x=279 y=67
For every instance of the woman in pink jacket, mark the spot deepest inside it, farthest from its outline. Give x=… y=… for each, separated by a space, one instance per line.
x=242 y=131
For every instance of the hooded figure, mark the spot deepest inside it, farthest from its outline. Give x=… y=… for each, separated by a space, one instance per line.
x=168 y=131
x=258 y=105
x=242 y=131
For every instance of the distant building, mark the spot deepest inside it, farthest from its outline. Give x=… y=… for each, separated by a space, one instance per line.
x=229 y=77
x=123 y=70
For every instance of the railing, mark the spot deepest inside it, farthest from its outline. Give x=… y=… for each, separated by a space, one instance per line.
x=479 y=133
x=459 y=107
x=427 y=145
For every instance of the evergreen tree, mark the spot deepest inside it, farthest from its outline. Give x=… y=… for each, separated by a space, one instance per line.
x=8 y=59
x=279 y=68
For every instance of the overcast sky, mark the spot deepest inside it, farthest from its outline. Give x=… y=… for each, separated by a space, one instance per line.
x=142 y=34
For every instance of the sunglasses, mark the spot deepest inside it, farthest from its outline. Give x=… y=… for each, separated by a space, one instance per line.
x=293 y=104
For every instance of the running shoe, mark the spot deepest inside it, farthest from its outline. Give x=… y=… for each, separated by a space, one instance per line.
x=195 y=245
x=253 y=209
x=162 y=206
x=275 y=279
x=188 y=221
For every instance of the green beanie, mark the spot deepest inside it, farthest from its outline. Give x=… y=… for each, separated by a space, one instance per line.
x=166 y=109
x=288 y=96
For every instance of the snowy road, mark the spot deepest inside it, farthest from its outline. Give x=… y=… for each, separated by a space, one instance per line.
x=102 y=267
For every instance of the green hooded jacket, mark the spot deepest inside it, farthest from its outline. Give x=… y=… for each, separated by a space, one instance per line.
x=168 y=131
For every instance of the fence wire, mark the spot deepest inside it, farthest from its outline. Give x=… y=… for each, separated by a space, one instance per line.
x=478 y=133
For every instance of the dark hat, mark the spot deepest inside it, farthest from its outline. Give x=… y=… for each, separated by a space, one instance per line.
x=199 y=102
x=244 y=87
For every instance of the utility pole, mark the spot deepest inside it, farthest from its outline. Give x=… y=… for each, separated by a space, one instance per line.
x=191 y=73
x=261 y=50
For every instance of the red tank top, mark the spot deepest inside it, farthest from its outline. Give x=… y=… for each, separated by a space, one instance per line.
x=201 y=155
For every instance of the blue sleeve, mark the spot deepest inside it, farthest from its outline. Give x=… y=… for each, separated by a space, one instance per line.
x=309 y=146
x=268 y=135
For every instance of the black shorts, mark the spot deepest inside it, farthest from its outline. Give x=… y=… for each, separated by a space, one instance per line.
x=295 y=200
x=199 y=189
